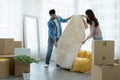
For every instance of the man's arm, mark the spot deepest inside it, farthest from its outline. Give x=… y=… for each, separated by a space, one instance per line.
x=64 y=20
x=52 y=33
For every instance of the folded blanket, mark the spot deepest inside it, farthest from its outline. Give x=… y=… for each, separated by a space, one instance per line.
x=69 y=43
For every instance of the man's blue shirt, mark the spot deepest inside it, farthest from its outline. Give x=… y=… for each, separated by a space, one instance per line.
x=52 y=28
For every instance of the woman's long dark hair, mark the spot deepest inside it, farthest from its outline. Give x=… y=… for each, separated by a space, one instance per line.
x=91 y=17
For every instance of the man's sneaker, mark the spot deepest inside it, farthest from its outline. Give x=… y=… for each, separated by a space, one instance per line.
x=57 y=65
x=46 y=66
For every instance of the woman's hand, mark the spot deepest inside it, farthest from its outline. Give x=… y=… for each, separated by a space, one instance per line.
x=84 y=16
x=83 y=41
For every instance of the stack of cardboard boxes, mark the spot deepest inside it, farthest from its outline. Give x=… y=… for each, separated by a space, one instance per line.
x=7 y=46
x=103 y=64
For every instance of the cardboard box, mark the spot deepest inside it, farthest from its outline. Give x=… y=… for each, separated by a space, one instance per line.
x=103 y=52
x=116 y=60
x=11 y=63
x=17 y=44
x=20 y=68
x=11 y=66
x=105 y=72
x=4 y=68
x=6 y=46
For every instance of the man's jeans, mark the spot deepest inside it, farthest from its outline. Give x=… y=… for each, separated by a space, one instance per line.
x=49 y=50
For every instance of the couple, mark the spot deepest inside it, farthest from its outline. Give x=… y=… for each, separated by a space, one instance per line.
x=55 y=30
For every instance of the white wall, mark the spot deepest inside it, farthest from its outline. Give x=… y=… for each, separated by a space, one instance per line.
x=30 y=7
x=11 y=19
x=11 y=16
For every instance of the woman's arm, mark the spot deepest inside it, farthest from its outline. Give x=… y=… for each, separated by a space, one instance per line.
x=92 y=30
x=84 y=16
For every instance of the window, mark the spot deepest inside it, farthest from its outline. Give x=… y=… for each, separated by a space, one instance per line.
x=63 y=8
x=107 y=14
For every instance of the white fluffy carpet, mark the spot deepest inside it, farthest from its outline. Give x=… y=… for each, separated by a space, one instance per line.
x=70 y=42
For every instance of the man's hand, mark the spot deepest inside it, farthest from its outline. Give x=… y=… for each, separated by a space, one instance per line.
x=70 y=17
x=55 y=43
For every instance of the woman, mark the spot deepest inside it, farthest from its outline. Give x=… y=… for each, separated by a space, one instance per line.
x=95 y=31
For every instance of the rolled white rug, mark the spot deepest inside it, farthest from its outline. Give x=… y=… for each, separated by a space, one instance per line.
x=69 y=43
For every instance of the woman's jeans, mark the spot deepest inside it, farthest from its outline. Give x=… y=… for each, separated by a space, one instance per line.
x=49 y=50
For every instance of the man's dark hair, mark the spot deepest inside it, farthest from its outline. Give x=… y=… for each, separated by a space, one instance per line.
x=52 y=11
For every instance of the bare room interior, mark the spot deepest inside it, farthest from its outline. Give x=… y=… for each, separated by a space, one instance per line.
x=59 y=39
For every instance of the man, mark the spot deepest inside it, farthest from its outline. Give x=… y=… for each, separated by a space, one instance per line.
x=54 y=33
